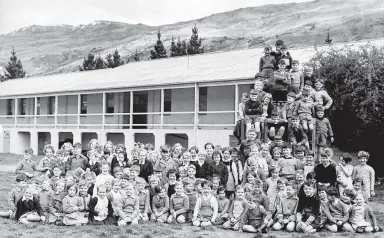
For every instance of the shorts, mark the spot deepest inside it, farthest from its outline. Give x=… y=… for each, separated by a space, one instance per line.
x=252 y=118
x=305 y=117
x=294 y=89
x=268 y=73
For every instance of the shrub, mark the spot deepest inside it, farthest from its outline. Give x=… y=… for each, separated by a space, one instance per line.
x=354 y=78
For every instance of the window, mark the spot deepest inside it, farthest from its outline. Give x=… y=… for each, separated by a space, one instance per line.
x=23 y=106
x=110 y=104
x=203 y=99
x=83 y=104
x=38 y=107
x=167 y=100
x=9 y=106
x=51 y=105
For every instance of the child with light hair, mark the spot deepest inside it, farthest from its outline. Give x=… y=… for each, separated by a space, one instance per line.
x=366 y=172
x=206 y=208
x=28 y=209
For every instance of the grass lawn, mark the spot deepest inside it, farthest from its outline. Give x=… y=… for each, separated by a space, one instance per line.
x=9 y=228
x=12 y=159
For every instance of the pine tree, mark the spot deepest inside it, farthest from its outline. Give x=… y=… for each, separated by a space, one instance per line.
x=328 y=40
x=109 y=60
x=100 y=64
x=184 y=48
x=136 y=57
x=89 y=63
x=174 y=49
x=117 y=61
x=160 y=51
x=194 y=46
x=14 y=68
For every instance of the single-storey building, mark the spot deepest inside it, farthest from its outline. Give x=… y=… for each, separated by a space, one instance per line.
x=191 y=100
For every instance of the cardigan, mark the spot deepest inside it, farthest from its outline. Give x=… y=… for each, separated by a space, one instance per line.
x=368 y=214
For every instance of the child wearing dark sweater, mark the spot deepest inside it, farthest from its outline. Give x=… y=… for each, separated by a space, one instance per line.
x=15 y=195
x=325 y=172
x=308 y=210
x=267 y=63
x=280 y=88
x=28 y=209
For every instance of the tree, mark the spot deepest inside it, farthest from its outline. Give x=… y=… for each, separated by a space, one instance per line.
x=14 y=68
x=89 y=63
x=194 y=46
x=136 y=56
x=328 y=40
x=100 y=64
x=160 y=51
x=184 y=48
x=117 y=61
x=174 y=51
x=109 y=60
x=354 y=80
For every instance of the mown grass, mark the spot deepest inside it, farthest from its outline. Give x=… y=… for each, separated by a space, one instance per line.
x=12 y=159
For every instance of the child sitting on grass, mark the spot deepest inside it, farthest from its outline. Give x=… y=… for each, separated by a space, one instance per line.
x=144 y=200
x=28 y=209
x=238 y=207
x=100 y=208
x=27 y=166
x=286 y=210
x=206 y=207
x=56 y=203
x=160 y=205
x=361 y=216
x=223 y=207
x=15 y=195
x=253 y=218
x=128 y=207
x=44 y=196
x=337 y=213
x=178 y=205
x=308 y=210
x=189 y=186
x=73 y=208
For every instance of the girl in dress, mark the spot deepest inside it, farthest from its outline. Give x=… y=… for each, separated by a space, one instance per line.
x=73 y=207
x=56 y=203
x=366 y=172
x=233 y=177
x=206 y=207
x=344 y=171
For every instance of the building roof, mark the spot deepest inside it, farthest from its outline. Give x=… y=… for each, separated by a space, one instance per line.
x=213 y=67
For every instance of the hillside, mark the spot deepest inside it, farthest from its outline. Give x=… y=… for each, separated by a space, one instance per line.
x=57 y=49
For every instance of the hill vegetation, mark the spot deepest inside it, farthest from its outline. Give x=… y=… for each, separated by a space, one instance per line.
x=59 y=49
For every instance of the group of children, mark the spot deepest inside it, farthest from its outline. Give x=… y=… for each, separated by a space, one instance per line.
x=256 y=188
x=265 y=183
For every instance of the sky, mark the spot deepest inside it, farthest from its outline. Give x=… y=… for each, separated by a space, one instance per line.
x=15 y=14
